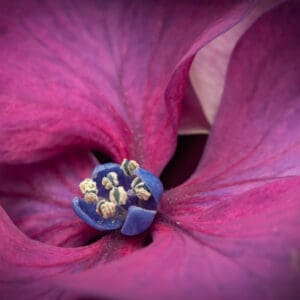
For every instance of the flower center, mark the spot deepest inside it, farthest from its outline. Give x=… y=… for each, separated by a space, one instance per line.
x=119 y=196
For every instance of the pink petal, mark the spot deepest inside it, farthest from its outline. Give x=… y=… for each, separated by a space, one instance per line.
x=256 y=136
x=27 y=267
x=232 y=231
x=208 y=71
x=235 y=251
x=37 y=197
x=100 y=75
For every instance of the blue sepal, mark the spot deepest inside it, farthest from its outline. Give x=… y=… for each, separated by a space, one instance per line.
x=136 y=215
x=138 y=220
x=87 y=212
x=154 y=186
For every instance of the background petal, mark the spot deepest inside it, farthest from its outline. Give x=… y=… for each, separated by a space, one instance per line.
x=243 y=201
x=256 y=136
x=209 y=68
x=100 y=74
x=27 y=267
x=38 y=196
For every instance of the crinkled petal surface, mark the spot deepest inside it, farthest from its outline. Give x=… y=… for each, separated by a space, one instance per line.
x=232 y=231
x=37 y=198
x=100 y=74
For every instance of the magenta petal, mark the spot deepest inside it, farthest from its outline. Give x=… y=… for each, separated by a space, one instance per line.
x=242 y=206
x=28 y=268
x=193 y=120
x=256 y=136
x=38 y=196
x=246 y=248
x=100 y=74
x=224 y=238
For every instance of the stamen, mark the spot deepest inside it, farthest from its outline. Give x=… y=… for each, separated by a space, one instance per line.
x=140 y=189
x=128 y=166
x=90 y=197
x=142 y=194
x=88 y=185
x=110 y=180
x=105 y=208
x=118 y=195
x=89 y=188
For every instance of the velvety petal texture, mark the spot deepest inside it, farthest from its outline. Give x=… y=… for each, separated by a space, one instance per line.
x=106 y=75
x=232 y=231
x=243 y=201
x=38 y=227
x=37 y=197
x=27 y=267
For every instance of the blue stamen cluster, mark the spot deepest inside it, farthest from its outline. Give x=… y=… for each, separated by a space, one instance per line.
x=117 y=196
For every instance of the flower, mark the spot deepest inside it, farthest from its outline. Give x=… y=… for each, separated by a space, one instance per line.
x=110 y=76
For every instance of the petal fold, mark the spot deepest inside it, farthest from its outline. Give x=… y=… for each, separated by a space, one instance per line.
x=246 y=248
x=209 y=68
x=100 y=75
x=28 y=267
x=256 y=135
x=38 y=198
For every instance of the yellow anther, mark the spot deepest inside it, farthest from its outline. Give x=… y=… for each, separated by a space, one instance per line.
x=90 y=197
x=106 y=209
x=118 y=195
x=129 y=166
x=135 y=182
x=110 y=180
x=88 y=185
x=140 y=189
x=142 y=194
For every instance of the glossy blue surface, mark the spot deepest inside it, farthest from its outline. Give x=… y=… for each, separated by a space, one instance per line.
x=87 y=212
x=133 y=218
x=155 y=187
x=138 y=220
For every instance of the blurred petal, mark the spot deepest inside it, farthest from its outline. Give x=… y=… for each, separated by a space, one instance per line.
x=100 y=74
x=37 y=197
x=208 y=71
x=27 y=267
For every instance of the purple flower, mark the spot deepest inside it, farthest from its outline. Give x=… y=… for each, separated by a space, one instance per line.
x=110 y=76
